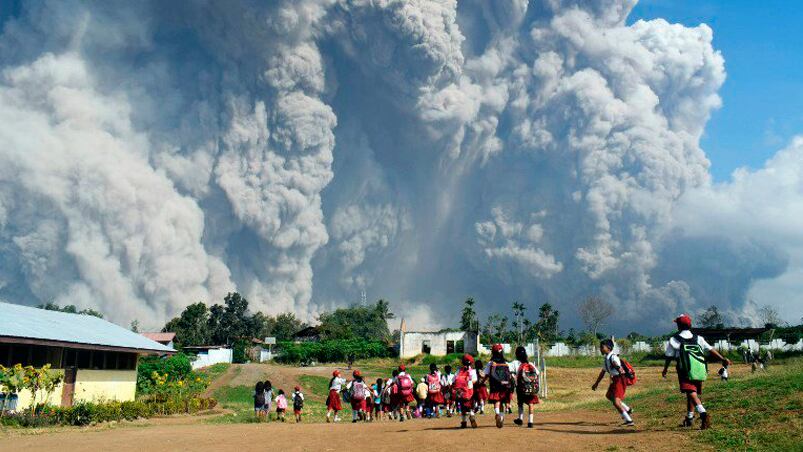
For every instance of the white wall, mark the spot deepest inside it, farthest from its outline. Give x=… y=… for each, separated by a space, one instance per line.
x=213 y=356
x=410 y=343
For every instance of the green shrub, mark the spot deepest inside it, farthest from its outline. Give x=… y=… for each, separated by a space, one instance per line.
x=176 y=367
x=332 y=351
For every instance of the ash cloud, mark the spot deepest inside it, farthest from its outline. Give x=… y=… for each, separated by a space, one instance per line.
x=423 y=151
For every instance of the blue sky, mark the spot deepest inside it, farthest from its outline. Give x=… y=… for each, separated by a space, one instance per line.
x=763 y=94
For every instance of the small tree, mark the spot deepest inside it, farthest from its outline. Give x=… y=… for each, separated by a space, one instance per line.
x=518 y=323
x=546 y=328
x=468 y=318
x=593 y=312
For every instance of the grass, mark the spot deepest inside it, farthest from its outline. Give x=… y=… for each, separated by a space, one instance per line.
x=215 y=371
x=760 y=412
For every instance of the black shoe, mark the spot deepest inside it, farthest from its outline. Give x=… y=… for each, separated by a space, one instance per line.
x=529 y=425
x=463 y=425
x=705 y=421
x=518 y=421
x=473 y=422
x=687 y=422
x=354 y=421
x=628 y=424
x=500 y=422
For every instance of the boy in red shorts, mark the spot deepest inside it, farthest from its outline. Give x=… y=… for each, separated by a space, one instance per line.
x=616 y=390
x=688 y=350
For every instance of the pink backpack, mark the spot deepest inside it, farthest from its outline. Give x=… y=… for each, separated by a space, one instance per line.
x=405 y=385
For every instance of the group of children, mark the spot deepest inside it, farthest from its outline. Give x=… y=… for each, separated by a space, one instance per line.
x=465 y=391
x=263 y=400
x=472 y=386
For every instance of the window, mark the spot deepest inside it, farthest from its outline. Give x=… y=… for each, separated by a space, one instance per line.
x=21 y=354
x=5 y=355
x=84 y=359
x=460 y=347
x=449 y=347
x=69 y=359
x=426 y=348
x=38 y=355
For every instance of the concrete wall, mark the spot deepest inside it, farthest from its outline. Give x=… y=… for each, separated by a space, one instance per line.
x=25 y=398
x=105 y=385
x=411 y=343
x=213 y=356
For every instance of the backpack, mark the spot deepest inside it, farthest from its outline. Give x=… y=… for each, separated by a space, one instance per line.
x=358 y=391
x=386 y=395
x=462 y=386
x=406 y=385
x=298 y=402
x=630 y=373
x=528 y=380
x=259 y=398
x=692 y=359
x=501 y=380
x=433 y=384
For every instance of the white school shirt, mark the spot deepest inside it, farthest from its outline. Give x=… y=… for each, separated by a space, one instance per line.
x=298 y=395
x=612 y=363
x=673 y=345
x=447 y=379
x=337 y=383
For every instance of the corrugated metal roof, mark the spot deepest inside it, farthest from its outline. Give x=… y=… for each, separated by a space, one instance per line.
x=159 y=337
x=34 y=323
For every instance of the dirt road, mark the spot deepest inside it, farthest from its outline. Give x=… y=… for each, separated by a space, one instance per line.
x=564 y=431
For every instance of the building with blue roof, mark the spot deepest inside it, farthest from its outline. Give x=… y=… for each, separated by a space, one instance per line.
x=97 y=358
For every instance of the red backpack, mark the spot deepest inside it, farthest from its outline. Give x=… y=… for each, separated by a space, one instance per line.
x=630 y=373
x=434 y=383
x=462 y=387
x=405 y=385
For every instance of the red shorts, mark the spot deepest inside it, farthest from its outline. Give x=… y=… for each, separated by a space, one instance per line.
x=617 y=388
x=333 y=402
x=687 y=386
x=466 y=405
x=501 y=396
x=409 y=398
x=296 y=412
x=386 y=408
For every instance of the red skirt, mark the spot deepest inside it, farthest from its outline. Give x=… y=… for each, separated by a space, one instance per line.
x=687 y=386
x=357 y=405
x=333 y=402
x=401 y=398
x=436 y=398
x=466 y=406
x=522 y=399
x=617 y=388
x=481 y=393
x=501 y=396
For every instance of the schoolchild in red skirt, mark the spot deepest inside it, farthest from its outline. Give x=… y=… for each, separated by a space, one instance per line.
x=333 y=404
x=480 y=388
x=501 y=382
x=358 y=391
x=435 y=391
x=616 y=390
x=404 y=393
x=692 y=389
x=527 y=386
x=463 y=390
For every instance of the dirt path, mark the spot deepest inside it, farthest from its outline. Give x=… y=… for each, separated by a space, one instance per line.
x=564 y=431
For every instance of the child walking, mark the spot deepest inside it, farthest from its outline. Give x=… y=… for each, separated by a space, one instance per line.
x=281 y=405
x=688 y=351
x=480 y=388
x=259 y=399
x=447 y=380
x=377 y=389
x=501 y=382
x=612 y=365
x=434 y=391
x=268 y=398
x=404 y=384
x=464 y=391
x=298 y=403
x=421 y=393
x=333 y=404
x=358 y=391
x=527 y=386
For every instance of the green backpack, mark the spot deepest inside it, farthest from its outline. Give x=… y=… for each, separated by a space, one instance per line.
x=692 y=359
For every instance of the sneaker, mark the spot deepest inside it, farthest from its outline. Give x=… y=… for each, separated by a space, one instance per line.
x=628 y=424
x=354 y=421
x=518 y=421
x=529 y=425
x=705 y=421
x=463 y=424
x=499 y=421
x=473 y=422
x=328 y=419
